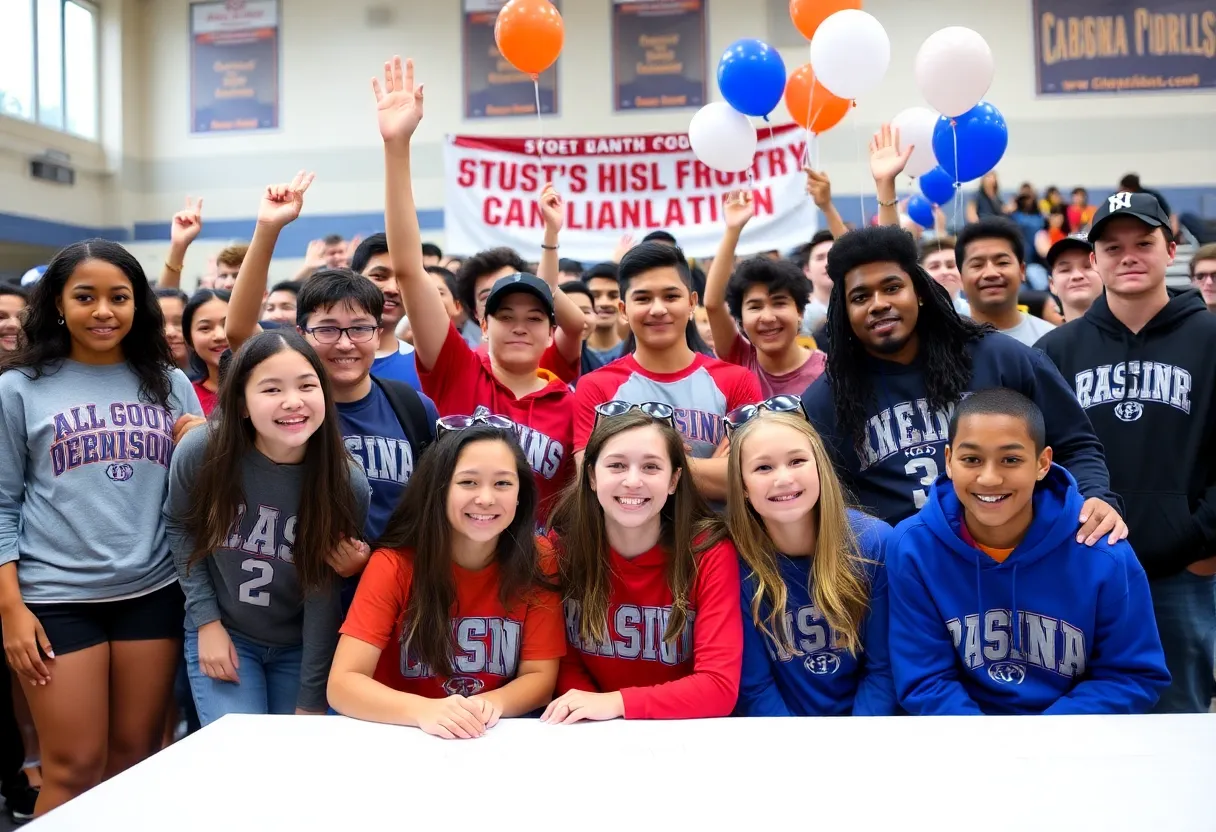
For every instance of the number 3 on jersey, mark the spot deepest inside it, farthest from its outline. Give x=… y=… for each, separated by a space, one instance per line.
x=250 y=591
x=924 y=468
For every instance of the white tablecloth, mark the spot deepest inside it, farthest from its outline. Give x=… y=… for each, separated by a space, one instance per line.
x=286 y=774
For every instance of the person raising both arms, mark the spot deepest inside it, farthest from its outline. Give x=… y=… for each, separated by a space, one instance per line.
x=649 y=580
x=456 y=623
x=91 y=610
x=902 y=359
x=520 y=314
x=814 y=585
x=766 y=298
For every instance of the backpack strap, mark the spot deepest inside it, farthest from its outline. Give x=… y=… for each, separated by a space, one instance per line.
x=410 y=412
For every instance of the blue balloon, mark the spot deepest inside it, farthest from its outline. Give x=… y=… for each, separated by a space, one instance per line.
x=921 y=211
x=982 y=138
x=937 y=186
x=751 y=76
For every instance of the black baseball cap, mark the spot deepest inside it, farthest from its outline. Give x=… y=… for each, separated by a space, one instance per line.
x=1143 y=206
x=520 y=282
x=1077 y=242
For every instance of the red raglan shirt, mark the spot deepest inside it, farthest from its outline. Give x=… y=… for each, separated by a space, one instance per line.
x=462 y=381
x=694 y=677
x=701 y=394
x=490 y=640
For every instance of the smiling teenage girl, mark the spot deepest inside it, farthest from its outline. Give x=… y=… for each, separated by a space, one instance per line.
x=651 y=584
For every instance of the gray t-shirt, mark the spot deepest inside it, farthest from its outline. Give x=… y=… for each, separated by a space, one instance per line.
x=251 y=584
x=84 y=469
x=1029 y=330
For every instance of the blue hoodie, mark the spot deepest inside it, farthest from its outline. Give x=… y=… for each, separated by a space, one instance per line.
x=1087 y=641
x=824 y=680
x=904 y=442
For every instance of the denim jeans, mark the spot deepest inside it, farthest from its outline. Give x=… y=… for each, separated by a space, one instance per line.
x=1185 y=605
x=270 y=681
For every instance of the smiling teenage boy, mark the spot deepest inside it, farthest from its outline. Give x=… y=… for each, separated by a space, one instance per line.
x=991 y=257
x=902 y=359
x=519 y=320
x=766 y=298
x=995 y=607
x=658 y=301
x=1143 y=364
x=1073 y=277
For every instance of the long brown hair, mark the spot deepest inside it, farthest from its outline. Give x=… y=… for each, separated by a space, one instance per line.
x=327 y=509
x=688 y=528
x=838 y=580
x=420 y=523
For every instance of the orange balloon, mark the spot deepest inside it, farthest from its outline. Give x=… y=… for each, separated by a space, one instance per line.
x=809 y=102
x=808 y=14
x=529 y=34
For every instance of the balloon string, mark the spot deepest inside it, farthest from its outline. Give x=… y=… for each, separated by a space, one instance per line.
x=861 y=198
x=540 y=122
x=957 y=185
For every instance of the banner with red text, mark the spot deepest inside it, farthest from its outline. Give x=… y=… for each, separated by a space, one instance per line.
x=616 y=185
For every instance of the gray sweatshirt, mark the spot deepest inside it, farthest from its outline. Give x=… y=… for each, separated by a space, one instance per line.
x=84 y=469
x=251 y=585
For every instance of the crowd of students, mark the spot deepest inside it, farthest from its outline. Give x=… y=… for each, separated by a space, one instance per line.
x=556 y=500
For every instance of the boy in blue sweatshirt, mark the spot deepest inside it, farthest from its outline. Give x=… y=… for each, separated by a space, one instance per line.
x=995 y=608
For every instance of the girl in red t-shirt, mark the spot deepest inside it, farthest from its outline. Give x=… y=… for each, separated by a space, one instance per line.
x=651 y=584
x=203 y=322
x=478 y=635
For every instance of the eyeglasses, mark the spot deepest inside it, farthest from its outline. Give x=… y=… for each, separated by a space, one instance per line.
x=659 y=411
x=1200 y=277
x=333 y=334
x=740 y=416
x=450 y=424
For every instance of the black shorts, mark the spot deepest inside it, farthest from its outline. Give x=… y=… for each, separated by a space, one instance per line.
x=76 y=626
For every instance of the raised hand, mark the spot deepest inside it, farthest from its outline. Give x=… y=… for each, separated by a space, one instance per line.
x=352 y=245
x=818 y=187
x=887 y=160
x=187 y=223
x=398 y=102
x=553 y=208
x=282 y=203
x=737 y=208
x=622 y=247
x=314 y=257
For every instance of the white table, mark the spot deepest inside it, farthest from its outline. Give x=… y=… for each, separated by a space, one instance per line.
x=291 y=774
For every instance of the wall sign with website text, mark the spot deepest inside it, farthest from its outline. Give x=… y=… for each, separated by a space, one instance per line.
x=234 y=66
x=616 y=185
x=658 y=51
x=492 y=87
x=1087 y=46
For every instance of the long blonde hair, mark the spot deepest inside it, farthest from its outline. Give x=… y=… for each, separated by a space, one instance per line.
x=839 y=586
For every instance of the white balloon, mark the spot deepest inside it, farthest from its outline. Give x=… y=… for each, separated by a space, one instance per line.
x=954 y=70
x=850 y=53
x=916 y=128
x=722 y=138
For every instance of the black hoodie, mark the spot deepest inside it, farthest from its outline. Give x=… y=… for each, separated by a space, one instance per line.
x=1151 y=397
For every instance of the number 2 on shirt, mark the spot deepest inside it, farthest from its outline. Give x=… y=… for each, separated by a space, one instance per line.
x=251 y=592
x=925 y=469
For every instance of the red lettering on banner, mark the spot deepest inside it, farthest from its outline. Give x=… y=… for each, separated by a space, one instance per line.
x=468 y=173
x=776 y=162
x=578 y=179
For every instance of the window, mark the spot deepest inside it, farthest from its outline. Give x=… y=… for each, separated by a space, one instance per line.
x=48 y=63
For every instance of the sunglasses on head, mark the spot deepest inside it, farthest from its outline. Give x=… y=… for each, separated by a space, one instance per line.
x=740 y=416
x=659 y=411
x=450 y=424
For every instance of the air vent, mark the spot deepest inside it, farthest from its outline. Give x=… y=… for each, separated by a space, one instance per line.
x=51 y=169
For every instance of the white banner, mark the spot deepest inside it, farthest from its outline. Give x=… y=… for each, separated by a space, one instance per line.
x=616 y=185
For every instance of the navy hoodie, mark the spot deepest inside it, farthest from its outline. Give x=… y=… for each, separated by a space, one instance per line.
x=824 y=679
x=1151 y=396
x=903 y=452
x=1086 y=640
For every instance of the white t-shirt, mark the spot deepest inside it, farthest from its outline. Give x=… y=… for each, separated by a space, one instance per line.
x=813 y=316
x=1030 y=330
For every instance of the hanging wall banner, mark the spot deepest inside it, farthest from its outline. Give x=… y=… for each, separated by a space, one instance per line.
x=1087 y=46
x=658 y=50
x=492 y=87
x=615 y=185
x=234 y=66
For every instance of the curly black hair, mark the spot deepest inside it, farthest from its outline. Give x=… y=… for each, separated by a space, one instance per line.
x=943 y=333
x=774 y=275
x=46 y=342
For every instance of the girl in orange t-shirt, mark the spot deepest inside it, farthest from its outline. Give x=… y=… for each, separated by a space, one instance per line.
x=480 y=634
